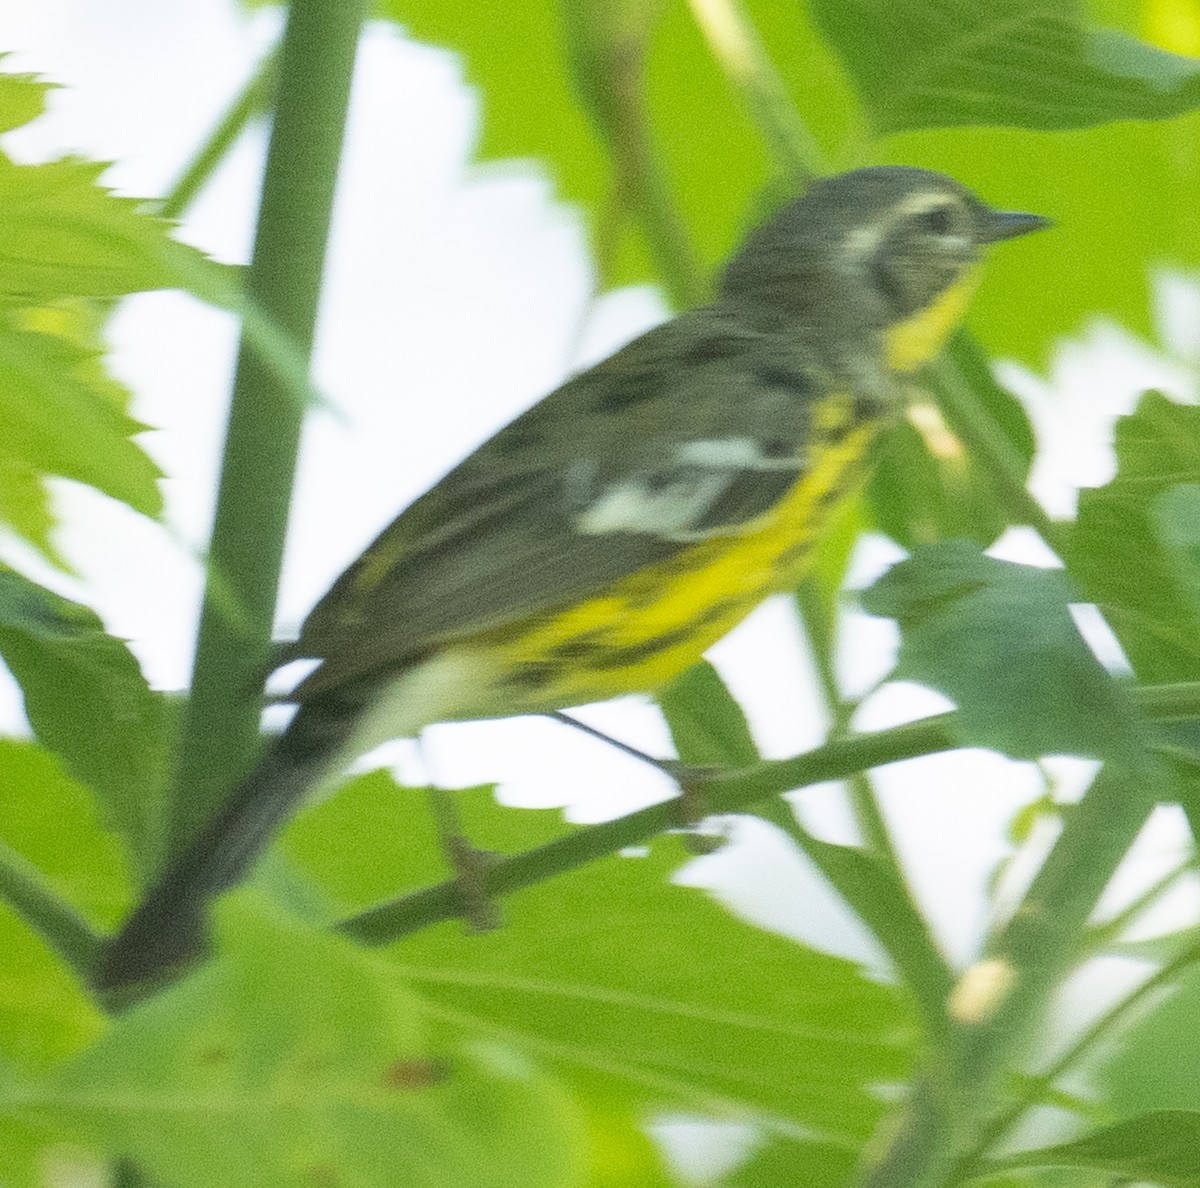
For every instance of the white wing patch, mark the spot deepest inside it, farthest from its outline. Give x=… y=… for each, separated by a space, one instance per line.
x=670 y=501
x=722 y=453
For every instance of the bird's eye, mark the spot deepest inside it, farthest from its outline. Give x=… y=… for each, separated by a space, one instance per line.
x=937 y=220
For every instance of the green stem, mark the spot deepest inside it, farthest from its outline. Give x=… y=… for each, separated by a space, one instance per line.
x=988 y=445
x=1027 y=957
x=863 y=802
x=606 y=46
x=877 y=894
x=220 y=728
x=1169 y=703
x=1035 y=1088
x=741 y=54
x=1024 y=961
x=252 y=100
x=28 y=892
x=1101 y=936
x=872 y=883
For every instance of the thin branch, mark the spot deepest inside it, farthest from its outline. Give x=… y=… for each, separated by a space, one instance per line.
x=28 y=892
x=1101 y=936
x=254 y=97
x=606 y=48
x=863 y=803
x=1034 y=1089
x=741 y=54
x=724 y=794
x=732 y=793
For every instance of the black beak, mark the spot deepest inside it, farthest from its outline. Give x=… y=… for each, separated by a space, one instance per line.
x=1008 y=224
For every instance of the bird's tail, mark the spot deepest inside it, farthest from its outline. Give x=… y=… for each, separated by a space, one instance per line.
x=168 y=925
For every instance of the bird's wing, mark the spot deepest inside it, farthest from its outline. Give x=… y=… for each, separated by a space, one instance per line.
x=692 y=431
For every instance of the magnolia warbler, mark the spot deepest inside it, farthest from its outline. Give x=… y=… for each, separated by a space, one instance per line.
x=599 y=543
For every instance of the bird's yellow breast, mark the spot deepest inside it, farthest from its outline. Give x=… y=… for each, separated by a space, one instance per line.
x=651 y=625
x=914 y=341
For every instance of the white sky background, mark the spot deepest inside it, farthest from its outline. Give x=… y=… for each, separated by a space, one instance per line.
x=454 y=295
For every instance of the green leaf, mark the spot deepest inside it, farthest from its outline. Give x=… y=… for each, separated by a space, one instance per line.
x=1129 y=552
x=63 y=235
x=51 y=820
x=928 y=485
x=875 y=890
x=22 y=98
x=45 y=1014
x=621 y=1154
x=33 y=1155
x=88 y=702
x=708 y=726
x=1027 y=63
x=519 y=61
x=998 y=639
x=1163 y=1147
x=374 y=839
x=1175 y=519
x=785 y=1161
x=638 y=991
x=63 y=415
x=296 y=1059
x=25 y=506
x=656 y=993
x=1154 y=1066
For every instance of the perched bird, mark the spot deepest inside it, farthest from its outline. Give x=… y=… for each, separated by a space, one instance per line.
x=599 y=543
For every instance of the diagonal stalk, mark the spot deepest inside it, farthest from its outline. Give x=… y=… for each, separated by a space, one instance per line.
x=220 y=727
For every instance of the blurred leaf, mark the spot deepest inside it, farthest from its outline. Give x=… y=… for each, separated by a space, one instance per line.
x=928 y=485
x=620 y=1153
x=34 y=1155
x=1162 y=1147
x=786 y=1161
x=516 y=57
x=712 y=157
x=51 y=820
x=1124 y=552
x=875 y=891
x=1154 y=1066
x=22 y=98
x=63 y=235
x=63 y=415
x=998 y=639
x=375 y=839
x=1121 y=195
x=640 y=992
x=1175 y=519
x=45 y=1014
x=1029 y=63
x=25 y=506
x=708 y=726
x=820 y=594
x=296 y=1059
x=88 y=702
